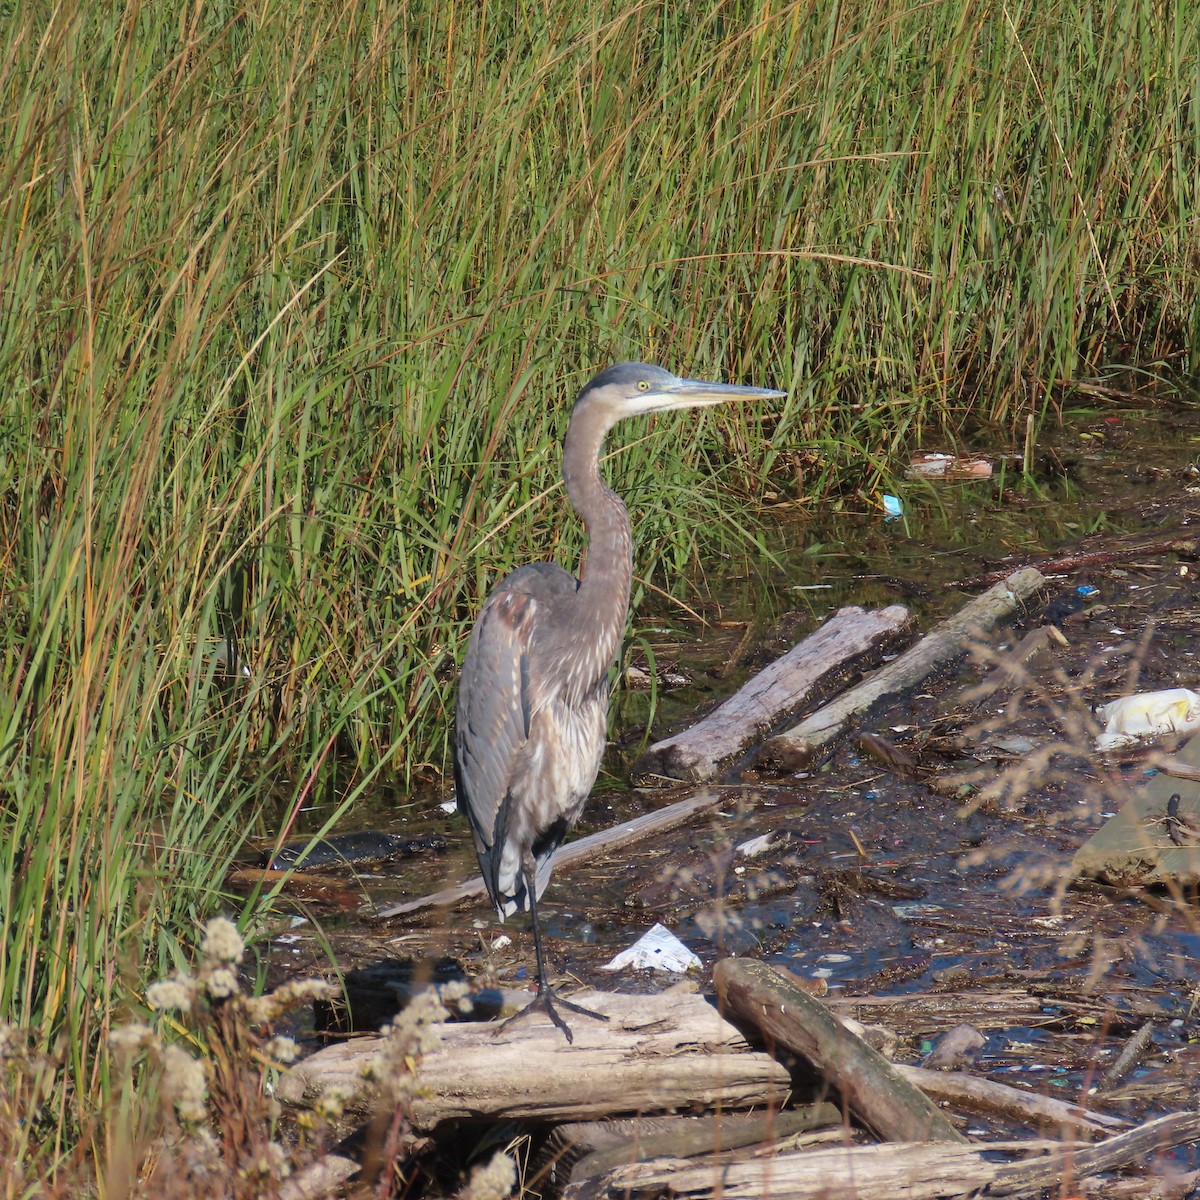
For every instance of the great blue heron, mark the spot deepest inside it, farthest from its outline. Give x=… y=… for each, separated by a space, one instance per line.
x=533 y=695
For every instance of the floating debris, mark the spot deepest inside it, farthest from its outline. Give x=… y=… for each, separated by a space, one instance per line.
x=1148 y=715
x=753 y=847
x=949 y=467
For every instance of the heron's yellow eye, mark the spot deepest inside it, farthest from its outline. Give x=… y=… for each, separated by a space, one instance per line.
x=643 y=386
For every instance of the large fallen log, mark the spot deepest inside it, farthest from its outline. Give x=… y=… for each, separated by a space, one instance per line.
x=948 y=640
x=591 y=846
x=929 y=1171
x=923 y=1171
x=698 y=752
x=754 y=994
x=656 y=1054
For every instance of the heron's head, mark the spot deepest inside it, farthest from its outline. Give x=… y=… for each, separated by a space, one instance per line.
x=632 y=388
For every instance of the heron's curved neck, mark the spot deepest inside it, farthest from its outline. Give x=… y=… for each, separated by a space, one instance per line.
x=608 y=569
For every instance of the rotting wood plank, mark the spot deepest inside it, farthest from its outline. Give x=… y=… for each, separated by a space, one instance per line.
x=698 y=752
x=656 y=1054
x=948 y=640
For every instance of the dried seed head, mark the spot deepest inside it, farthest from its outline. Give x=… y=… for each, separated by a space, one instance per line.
x=221 y=983
x=493 y=1182
x=174 y=993
x=184 y=1083
x=222 y=942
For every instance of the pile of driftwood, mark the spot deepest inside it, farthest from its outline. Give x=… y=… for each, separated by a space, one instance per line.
x=789 y=1094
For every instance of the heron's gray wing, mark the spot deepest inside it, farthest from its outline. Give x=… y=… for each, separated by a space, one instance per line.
x=501 y=689
x=492 y=723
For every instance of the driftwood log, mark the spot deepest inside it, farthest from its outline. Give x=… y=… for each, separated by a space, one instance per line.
x=928 y=1171
x=674 y=1053
x=752 y=993
x=582 y=1149
x=947 y=641
x=698 y=752
x=985 y=1095
x=885 y=1172
x=1121 y=1009
x=656 y=1054
x=592 y=846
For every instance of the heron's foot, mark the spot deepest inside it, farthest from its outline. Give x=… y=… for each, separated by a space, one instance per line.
x=549 y=1002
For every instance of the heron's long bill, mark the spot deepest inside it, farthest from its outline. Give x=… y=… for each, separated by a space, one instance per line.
x=699 y=393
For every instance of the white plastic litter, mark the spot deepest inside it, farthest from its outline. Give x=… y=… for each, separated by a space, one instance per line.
x=658 y=949
x=1148 y=715
x=753 y=847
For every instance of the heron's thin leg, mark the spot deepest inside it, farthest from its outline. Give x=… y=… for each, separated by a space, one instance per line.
x=543 y=986
x=547 y=999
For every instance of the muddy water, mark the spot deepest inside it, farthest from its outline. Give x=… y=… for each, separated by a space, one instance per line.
x=921 y=907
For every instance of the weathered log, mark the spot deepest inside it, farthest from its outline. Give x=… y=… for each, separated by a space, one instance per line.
x=698 y=752
x=754 y=994
x=945 y=642
x=917 y=1172
x=1075 y=1162
x=656 y=1054
x=582 y=1149
x=929 y=1171
x=985 y=1095
x=1121 y=1009
x=592 y=846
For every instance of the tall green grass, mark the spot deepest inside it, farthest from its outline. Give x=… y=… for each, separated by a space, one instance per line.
x=294 y=297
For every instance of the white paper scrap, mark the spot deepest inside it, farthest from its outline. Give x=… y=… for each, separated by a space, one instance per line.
x=658 y=949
